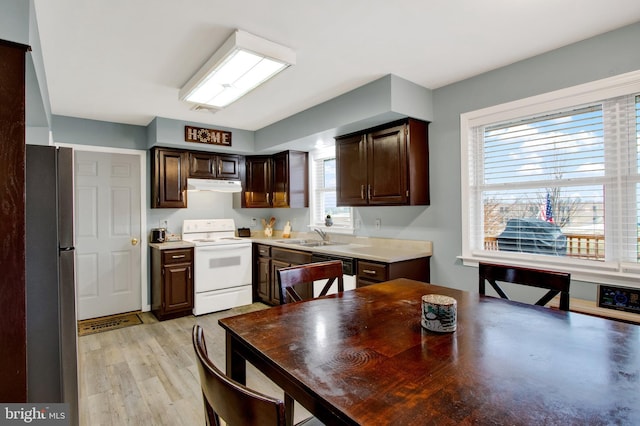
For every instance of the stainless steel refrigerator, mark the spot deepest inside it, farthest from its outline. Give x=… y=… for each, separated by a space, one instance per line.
x=52 y=354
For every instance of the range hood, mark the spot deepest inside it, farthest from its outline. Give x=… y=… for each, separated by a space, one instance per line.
x=214 y=185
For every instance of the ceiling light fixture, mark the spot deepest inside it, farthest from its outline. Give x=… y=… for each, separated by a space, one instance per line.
x=242 y=63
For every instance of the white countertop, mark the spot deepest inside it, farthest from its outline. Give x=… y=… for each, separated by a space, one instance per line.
x=172 y=245
x=385 y=250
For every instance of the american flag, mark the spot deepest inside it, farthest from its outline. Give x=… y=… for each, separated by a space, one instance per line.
x=546 y=212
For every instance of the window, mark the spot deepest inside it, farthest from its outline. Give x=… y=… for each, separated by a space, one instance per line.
x=554 y=181
x=323 y=199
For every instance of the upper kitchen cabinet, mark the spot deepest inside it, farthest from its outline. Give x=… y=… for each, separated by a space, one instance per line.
x=207 y=165
x=384 y=166
x=169 y=169
x=281 y=180
x=257 y=186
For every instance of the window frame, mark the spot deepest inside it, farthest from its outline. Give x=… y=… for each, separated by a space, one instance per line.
x=341 y=227
x=609 y=272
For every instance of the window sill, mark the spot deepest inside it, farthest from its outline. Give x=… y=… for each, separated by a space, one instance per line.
x=580 y=270
x=590 y=307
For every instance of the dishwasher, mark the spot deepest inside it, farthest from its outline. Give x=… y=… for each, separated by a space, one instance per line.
x=348 y=272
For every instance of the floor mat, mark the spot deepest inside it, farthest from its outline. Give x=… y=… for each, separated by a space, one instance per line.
x=113 y=322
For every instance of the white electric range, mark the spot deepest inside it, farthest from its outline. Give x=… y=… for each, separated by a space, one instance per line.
x=222 y=265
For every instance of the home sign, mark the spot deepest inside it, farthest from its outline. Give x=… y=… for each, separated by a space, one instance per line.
x=209 y=136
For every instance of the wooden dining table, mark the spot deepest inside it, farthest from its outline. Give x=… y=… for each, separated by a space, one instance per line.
x=362 y=357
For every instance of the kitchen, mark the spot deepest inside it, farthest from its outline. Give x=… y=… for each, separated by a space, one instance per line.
x=439 y=222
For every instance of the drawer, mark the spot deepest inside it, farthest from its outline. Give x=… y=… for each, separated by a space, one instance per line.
x=294 y=257
x=372 y=271
x=177 y=256
x=263 y=250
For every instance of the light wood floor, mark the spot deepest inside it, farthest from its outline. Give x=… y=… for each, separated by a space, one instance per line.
x=146 y=374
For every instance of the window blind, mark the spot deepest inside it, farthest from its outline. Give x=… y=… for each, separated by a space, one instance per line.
x=562 y=183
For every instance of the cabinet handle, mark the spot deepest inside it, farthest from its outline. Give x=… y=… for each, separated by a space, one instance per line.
x=369 y=271
x=268 y=202
x=362 y=192
x=369 y=191
x=178 y=256
x=189 y=269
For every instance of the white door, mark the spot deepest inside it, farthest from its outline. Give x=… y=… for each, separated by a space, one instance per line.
x=108 y=240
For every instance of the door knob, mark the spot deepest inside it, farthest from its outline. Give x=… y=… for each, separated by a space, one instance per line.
x=134 y=241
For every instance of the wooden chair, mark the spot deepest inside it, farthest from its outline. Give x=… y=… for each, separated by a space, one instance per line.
x=236 y=404
x=555 y=282
x=288 y=278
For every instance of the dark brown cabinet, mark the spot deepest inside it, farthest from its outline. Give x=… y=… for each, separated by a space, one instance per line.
x=169 y=169
x=267 y=261
x=280 y=180
x=383 y=166
x=14 y=325
x=206 y=165
x=257 y=186
x=370 y=272
x=171 y=282
x=262 y=272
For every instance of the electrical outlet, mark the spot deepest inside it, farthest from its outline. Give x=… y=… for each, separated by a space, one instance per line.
x=254 y=222
x=378 y=223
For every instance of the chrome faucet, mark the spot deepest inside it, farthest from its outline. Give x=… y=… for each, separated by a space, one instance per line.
x=323 y=234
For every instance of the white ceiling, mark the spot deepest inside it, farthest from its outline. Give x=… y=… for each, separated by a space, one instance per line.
x=124 y=61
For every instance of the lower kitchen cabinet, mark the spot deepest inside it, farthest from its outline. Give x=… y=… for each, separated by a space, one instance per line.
x=370 y=272
x=171 y=282
x=262 y=272
x=267 y=261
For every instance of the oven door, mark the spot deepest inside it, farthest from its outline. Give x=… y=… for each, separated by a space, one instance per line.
x=223 y=266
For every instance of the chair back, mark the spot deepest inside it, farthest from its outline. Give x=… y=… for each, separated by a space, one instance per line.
x=555 y=282
x=288 y=278
x=224 y=398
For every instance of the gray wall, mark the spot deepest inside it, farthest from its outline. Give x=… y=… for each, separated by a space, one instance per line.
x=387 y=98
x=380 y=101
x=98 y=133
x=14 y=21
x=170 y=133
x=600 y=57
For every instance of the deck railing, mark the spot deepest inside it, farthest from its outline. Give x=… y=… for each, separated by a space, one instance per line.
x=581 y=246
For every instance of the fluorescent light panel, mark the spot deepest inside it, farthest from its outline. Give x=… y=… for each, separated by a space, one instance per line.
x=242 y=63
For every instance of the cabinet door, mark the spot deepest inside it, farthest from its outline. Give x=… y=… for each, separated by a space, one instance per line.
x=257 y=189
x=178 y=287
x=264 y=279
x=387 y=166
x=351 y=163
x=280 y=187
x=275 y=285
x=227 y=167
x=169 y=175
x=202 y=165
